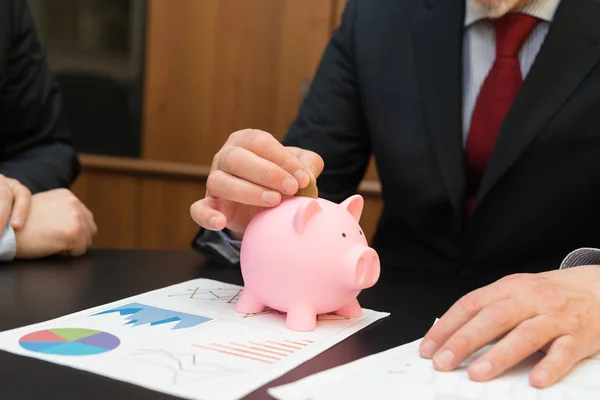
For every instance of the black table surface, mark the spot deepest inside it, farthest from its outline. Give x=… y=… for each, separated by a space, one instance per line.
x=36 y=291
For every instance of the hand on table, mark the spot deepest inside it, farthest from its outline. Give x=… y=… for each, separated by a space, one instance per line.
x=252 y=170
x=557 y=312
x=58 y=223
x=15 y=203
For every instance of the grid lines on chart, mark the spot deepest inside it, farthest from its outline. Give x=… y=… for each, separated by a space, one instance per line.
x=224 y=294
x=268 y=352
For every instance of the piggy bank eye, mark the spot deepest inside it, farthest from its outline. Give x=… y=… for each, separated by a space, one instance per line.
x=360 y=232
x=343 y=234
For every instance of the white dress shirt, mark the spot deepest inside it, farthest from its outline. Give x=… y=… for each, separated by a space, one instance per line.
x=8 y=245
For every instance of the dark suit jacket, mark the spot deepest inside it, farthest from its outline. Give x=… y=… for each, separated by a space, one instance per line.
x=389 y=84
x=35 y=146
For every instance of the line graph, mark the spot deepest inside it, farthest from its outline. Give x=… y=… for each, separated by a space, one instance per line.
x=185 y=367
x=268 y=352
x=229 y=295
x=232 y=295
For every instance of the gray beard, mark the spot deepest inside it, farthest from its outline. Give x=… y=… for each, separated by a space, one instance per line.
x=495 y=8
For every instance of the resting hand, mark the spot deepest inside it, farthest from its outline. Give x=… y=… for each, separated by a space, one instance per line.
x=16 y=199
x=58 y=224
x=252 y=170
x=557 y=312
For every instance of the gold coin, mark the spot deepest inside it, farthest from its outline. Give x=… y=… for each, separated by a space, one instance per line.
x=309 y=191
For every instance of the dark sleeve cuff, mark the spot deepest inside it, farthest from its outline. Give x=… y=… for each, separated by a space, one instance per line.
x=583 y=256
x=218 y=246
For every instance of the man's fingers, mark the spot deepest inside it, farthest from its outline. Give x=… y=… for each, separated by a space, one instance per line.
x=86 y=234
x=246 y=165
x=81 y=246
x=267 y=147
x=310 y=159
x=205 y=213
x=524 y=340
x=228 y=187
x=561 y=357
x=21 y=204
x=490 y=323
x=459 y=314
x=88 y=219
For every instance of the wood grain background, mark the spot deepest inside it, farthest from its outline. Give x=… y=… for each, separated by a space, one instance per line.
x=212 y=67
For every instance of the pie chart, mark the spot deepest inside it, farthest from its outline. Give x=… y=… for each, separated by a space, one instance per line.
x=69 y=342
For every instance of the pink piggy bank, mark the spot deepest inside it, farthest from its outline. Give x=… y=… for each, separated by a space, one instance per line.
x=307 y=257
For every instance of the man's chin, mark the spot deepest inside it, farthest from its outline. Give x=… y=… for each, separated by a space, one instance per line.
x=496 y=8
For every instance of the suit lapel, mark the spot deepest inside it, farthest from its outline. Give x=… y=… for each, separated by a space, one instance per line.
x=571 y=50
x=438 y=39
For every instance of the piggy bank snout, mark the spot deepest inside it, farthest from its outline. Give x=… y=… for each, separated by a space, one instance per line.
x=366 y=268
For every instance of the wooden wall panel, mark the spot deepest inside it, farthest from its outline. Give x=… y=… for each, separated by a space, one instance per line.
x=179 y=71
x=371 y=173
x=302 y=42
x=340 y=5
x=113 y=198
x=212 y=67
x=217 y=66
x=370 y=216
x=165 y=212
x=141 y=204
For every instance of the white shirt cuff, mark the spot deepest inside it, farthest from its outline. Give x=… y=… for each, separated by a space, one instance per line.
x=8 y=244
x=583 y=256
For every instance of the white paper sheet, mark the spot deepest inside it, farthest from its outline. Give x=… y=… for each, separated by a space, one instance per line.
x=400 y=373
x=185 y=340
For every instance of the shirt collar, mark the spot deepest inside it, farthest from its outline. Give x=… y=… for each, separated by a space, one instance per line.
x=542 y=9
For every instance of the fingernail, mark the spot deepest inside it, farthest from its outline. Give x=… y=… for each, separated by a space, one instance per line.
x=444 y=359
x=302 y=177
x=428 y=348
x=16 y=221
x=289 y=185
x=213 y=222
x=482 y=369
x=270 y=197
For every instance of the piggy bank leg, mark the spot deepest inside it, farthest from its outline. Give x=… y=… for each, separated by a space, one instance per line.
x=301 y=318
x=248 y=304
x=350 y=310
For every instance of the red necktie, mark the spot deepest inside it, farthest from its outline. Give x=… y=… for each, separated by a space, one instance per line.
x=495 y=97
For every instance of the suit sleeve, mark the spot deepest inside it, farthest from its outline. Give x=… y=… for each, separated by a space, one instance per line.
x=35 y=146
x=330 y=120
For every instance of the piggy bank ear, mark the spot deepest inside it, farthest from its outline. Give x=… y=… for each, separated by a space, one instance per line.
x=308 y=209
x=354 y=205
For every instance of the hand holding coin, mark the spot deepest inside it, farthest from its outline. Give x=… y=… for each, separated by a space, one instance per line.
x=309 y=191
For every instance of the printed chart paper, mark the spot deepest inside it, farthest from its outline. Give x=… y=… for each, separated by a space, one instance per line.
x=185 y=340
x=400 y=373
